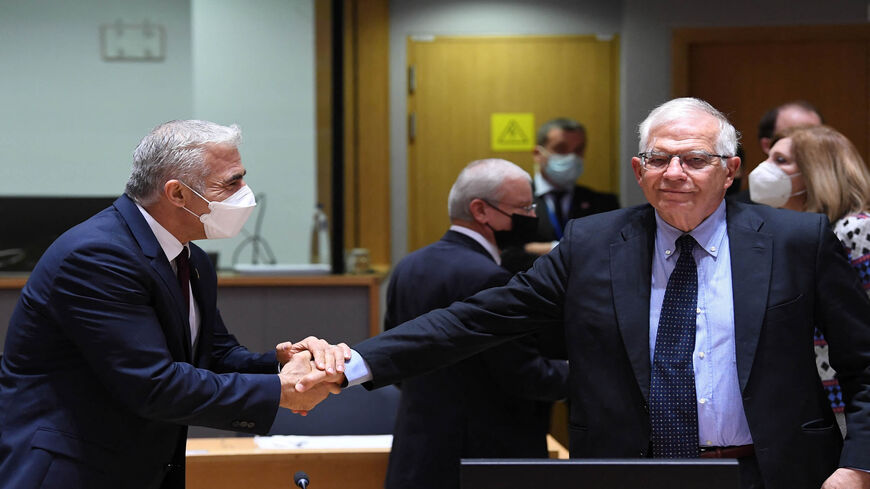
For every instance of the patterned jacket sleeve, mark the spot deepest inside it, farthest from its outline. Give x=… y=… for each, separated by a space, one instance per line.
x=853 y=231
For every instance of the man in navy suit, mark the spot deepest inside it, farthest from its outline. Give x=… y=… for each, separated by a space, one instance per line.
x=763 y=279
x=116 y=343
x=559 y=162
x=490 y=405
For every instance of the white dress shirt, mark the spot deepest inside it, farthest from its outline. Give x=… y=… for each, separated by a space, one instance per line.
x=171 y=248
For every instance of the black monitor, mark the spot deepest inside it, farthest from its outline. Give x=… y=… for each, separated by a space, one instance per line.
x=599 y=474
x=31 y=224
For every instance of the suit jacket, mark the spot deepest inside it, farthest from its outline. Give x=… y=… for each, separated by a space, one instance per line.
x=789 y=274
x=98 y=380
x=487 y=406
x=584 y=202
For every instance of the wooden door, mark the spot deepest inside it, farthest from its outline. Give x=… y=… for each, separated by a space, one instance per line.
x=457 y=83
x=745 y=71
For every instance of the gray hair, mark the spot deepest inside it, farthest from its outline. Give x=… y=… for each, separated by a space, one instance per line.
x=481 y=179
x=672 y=110
x=175 y=149
x=562 y=123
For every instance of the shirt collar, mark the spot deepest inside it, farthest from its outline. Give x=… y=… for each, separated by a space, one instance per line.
x=169 y=243
x=489 y=247
x=542 y=186
x=709 y=234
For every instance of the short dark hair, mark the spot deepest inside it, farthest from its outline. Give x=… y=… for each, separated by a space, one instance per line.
x=562 y=123
x=767 y=124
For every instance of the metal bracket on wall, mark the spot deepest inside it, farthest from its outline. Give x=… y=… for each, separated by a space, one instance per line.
x=132 y=42
x=412 y=127
x=412 y=79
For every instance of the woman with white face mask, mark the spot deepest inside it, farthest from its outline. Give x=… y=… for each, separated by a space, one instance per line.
x=777 y=181
x=817 y=169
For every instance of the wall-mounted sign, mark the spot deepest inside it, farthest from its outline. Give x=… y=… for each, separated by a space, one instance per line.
x=512 y=131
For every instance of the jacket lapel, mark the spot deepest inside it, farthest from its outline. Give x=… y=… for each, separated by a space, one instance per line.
x=545 y=226
x=630 y=269
x=160 y=263
x=751 y=262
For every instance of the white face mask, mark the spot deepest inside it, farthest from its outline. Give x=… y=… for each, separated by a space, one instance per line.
x=770 y=185
x=563 y=170
x=226 y=217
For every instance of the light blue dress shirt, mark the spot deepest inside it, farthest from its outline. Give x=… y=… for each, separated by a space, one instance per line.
x=721 y=419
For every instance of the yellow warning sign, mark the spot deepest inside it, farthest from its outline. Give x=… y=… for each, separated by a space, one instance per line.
x=513 y=131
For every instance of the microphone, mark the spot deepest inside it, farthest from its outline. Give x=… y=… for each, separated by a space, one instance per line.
x=301 y=479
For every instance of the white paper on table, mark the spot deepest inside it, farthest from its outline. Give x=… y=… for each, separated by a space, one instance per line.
x=324 y=442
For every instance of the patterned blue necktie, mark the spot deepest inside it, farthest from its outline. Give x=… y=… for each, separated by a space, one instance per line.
x=673 y=408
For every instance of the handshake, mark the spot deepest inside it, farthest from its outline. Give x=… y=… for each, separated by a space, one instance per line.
x=310 y=371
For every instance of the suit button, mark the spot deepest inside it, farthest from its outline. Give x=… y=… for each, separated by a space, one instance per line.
x=646 y=407
x=235 y=424
x=251 y=424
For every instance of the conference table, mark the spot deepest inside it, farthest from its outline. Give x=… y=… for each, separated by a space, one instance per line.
x=234 y=463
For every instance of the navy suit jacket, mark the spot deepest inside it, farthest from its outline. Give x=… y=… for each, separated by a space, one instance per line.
x=488 y=406
x=789 y=274
x=98 y=380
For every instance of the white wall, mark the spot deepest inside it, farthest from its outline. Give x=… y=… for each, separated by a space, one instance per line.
x=71 y=120
x=253 y=64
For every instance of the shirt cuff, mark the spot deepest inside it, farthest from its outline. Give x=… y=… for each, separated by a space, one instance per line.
x=356 y=370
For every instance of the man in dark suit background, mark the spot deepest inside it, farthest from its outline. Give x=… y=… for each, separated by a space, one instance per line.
x=559 y=162
x=776 y=120
x=116 y=343
x=689 y=322
x=490 y=405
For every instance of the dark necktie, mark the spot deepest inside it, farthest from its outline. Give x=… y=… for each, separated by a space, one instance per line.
x=557 y=207
x=673 y=408
x=182 y=271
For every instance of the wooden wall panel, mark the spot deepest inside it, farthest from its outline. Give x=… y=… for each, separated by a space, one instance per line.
x=746 y=71
x=366 y=123
x=370 y=208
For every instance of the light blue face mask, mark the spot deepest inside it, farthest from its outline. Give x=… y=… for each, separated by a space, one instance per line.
x=563 y=170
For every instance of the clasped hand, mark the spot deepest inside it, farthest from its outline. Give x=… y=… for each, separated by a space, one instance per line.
x=311 y=370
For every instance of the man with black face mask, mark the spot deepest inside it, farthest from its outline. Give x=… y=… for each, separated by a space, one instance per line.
x=558 y=156
x=491 y=405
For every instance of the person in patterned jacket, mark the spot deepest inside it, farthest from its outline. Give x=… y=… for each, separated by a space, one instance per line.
x=817 y=169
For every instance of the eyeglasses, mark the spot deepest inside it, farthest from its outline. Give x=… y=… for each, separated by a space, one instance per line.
x=689 y=161
x=528 y=209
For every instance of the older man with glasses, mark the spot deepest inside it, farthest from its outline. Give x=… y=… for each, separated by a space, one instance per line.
x=688 y=322
x=491 y=405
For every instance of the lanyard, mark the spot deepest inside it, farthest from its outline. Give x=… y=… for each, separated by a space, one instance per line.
x=557 y=226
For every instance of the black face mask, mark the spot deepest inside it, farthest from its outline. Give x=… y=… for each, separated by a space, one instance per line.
x=523 y=230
